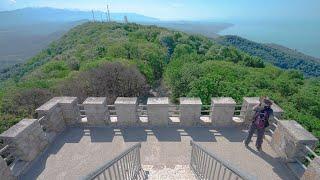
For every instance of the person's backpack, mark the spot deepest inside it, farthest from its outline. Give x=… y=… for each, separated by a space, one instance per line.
x=261 y=119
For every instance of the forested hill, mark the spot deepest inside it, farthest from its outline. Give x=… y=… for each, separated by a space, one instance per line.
x=278 y=55
x=114 y=59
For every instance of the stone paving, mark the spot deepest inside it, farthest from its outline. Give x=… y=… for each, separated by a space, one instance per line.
x=165 y=152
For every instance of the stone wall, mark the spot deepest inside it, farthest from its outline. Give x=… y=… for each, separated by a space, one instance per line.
x=289 y=140
x=222 y=111
x=313 y=170
x=26 y=138
x=96 y=110
x=5 y=172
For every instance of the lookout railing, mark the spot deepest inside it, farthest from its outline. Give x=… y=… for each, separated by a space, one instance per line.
x=126 y=165
x=290 y=140
x=207 y=165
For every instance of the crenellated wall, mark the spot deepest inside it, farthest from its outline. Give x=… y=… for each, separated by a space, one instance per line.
x=30 y=137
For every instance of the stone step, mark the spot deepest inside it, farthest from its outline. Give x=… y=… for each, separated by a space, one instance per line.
x=177 y=172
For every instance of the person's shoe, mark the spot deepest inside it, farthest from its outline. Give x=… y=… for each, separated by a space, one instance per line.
x=245 y=143
x=259 y=149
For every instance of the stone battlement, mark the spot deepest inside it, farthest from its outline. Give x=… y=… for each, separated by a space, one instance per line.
x=25 y=141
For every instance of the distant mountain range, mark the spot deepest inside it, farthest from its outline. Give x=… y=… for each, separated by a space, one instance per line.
x=40 y=15
x=25 y=32
x=275 y=54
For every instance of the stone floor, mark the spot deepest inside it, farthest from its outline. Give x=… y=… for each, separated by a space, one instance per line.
x=165 y=152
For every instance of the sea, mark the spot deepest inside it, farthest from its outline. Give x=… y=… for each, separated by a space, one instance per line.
x=301 y=35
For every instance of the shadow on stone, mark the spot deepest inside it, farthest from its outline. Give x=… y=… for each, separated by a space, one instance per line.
x=276 y=163
x=101 y=134
x=137 y=134
x=200 y=134
x=231 y=134
x=166 y=133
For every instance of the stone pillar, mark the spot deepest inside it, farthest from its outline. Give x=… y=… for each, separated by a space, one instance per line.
x=222 y=111
x=246 y=109
x=313 y=170
x=190 y=110
x=277 y=110
x=70 y=109
x=126 y=108
x=26 y=138
x=53 y=119
x=96 y=110
x=289 y=140
x=5 y=171
x=158 y=111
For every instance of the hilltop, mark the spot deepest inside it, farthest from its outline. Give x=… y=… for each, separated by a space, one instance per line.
x=114 y=59
x=278 y=55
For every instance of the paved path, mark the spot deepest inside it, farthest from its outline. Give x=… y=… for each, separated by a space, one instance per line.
x=78 y=151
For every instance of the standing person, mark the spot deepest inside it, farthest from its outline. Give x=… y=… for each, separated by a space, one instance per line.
x=260 y=121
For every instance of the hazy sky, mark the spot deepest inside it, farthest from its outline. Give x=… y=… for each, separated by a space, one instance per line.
x=187 y=9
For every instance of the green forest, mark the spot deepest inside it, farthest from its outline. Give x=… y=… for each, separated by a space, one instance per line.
x=277 y=55
x=113 y=59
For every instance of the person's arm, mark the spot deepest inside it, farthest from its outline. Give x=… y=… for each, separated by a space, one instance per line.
x=256 y=108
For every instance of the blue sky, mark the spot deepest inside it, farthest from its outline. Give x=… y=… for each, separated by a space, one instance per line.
x=187 y=9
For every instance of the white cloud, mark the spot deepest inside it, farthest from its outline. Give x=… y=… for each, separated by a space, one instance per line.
x=13 y=1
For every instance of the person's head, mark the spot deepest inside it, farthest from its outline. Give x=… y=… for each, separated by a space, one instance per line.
x=265 y=101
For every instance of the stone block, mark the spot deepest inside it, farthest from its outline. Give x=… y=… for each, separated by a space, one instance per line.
x=158 y=111
x=222 y=111
x=27 y=138
x=96 y=110
x=70 y=109
x=5 y=172
x=190 y=111
x=126 y=109
x=289 y=140
x=313 y=170
x=247 y=108
x=53 y=120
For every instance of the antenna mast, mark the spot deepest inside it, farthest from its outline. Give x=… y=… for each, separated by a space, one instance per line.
x=109 y=19
x=93 y=16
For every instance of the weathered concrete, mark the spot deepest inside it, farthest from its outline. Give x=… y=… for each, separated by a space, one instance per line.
x=247 y=108
x=313 y=171
x=289 y=140
x=53 y=119
x=190 y=111
x=70 y=109
x=96 y=110
x=27 y=138
x=79 y=151
x=5 y=172
x=158 y=109
x=222 y=111
x=126 y=108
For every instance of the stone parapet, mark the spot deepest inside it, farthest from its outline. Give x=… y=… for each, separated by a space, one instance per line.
x=5 y=172
x=26 y=138
x=158 y=111
x=289 y=140
x=247 y=108
x=96 y=110
x=190 y=111
x=313 y=170
x=126 y=108
x=222 y=111
x=70 y=109
x=52 y=116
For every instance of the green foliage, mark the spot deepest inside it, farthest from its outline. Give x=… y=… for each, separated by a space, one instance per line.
x=278 y=55
x=112 y=59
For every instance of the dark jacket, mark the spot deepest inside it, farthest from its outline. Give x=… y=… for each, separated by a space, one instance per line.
x=259 y=109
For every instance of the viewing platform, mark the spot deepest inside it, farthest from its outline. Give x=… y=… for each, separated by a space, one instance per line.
x=70 y=140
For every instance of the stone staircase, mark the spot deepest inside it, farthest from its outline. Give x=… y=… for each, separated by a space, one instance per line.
x=178 y=172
